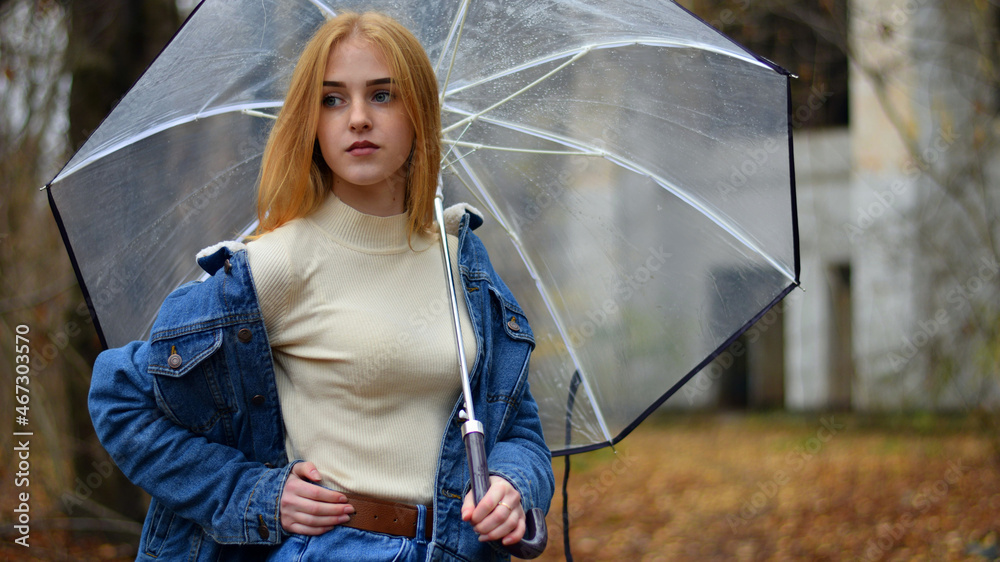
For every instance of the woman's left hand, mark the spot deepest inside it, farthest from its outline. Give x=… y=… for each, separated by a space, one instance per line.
x=499 y=516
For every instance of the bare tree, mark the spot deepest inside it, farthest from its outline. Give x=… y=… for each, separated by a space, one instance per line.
x=65 y=65
x=925 y=96
x=36 y=283
x=933 y=69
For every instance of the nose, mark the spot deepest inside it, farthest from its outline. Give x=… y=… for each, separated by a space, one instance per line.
x=360 y=119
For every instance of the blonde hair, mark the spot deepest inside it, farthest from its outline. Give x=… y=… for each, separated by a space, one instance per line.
x=294 y=177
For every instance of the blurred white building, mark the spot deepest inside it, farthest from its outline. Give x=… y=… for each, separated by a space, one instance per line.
x=898 y=300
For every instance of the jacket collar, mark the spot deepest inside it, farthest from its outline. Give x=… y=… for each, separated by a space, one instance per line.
x=456 y=217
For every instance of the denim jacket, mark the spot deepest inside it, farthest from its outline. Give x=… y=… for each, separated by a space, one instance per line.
x=192 y=417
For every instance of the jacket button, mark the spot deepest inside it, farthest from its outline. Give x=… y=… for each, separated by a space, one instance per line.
x=513 y=325
x=268 y=465
x=262 y=528
x=244 y=335
x=257 y=400
x=174 y=361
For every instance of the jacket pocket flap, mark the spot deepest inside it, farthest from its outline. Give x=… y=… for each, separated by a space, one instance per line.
x=176 y=356
x=516 y=324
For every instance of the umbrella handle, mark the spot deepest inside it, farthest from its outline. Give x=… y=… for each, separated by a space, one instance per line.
x=535 y=532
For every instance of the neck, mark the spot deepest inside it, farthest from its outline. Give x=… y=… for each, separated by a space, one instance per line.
x=383 y=199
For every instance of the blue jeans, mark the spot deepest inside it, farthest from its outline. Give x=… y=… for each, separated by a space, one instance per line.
x=354 y=545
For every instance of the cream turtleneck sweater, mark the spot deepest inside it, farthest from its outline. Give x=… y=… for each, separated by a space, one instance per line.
x=363 y=345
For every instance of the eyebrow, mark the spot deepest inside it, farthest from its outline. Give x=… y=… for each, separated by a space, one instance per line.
x=333 y=84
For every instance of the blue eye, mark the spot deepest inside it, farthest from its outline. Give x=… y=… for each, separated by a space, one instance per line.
x=331 y=100
x=382 y=96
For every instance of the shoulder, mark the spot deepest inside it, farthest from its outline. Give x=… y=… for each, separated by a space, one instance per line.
x=456 y=214
x=473 y=257
x=274 y=244
x=271 y=255
x=225 y=293
x=475 y=262
x=276 y=266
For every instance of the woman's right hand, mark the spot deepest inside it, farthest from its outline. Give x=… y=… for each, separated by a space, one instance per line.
x=308 y=509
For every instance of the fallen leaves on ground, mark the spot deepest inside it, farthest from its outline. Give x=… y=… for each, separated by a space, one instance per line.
x=686 y=487
x=781 y=487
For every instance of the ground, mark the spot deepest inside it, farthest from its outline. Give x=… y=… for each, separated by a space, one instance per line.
x=780 y=487
x=743 y=487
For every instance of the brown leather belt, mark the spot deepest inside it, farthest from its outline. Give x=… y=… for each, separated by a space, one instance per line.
x=391 y=518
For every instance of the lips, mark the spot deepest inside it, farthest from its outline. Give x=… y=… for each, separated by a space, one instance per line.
x=362 y=148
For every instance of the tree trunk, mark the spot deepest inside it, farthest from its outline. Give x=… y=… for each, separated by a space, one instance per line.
x=111 y=43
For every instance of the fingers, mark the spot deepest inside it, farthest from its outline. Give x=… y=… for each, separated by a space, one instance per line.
x=467 y=507
x=302 y=479
x=502 y=524
x=499 y=515
x=309 y=509
x=306 y=471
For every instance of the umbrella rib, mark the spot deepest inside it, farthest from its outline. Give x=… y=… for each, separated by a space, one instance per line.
x=451 y=34
x=537 y=81
x=573 y=55
x=652 y=42
x=588 y=150
x=476 y=146
x=247 y=108
x=452 y=147
x=449 y=163
x=482 y=195
x=456 y=32
x=323 y=7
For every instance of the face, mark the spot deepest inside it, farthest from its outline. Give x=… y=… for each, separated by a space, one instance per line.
x=364 y=132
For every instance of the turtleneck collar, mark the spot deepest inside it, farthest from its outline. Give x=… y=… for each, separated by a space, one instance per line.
x=366 y=233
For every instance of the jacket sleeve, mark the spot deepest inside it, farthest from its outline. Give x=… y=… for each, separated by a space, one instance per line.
x=519 y=453
x=234 y=499
x=521 y=456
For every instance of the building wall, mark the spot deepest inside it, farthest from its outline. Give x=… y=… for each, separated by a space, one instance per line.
x=822 y=176
x=900 y=306
x=885 y=209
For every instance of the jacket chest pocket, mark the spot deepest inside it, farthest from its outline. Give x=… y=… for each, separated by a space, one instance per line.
x=511 y=345
x=191 y=380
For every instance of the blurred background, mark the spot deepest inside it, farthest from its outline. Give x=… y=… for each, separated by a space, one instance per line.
x=859 y=419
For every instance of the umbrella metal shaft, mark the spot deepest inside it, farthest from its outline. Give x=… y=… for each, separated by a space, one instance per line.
x=471 y=424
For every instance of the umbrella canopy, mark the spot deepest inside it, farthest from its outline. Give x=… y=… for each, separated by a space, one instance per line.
x=635 y=166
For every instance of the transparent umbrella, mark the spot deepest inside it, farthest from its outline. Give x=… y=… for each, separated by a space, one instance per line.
x=634 y=164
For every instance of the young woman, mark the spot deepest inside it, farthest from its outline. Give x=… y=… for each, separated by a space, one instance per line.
x=302 y=403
